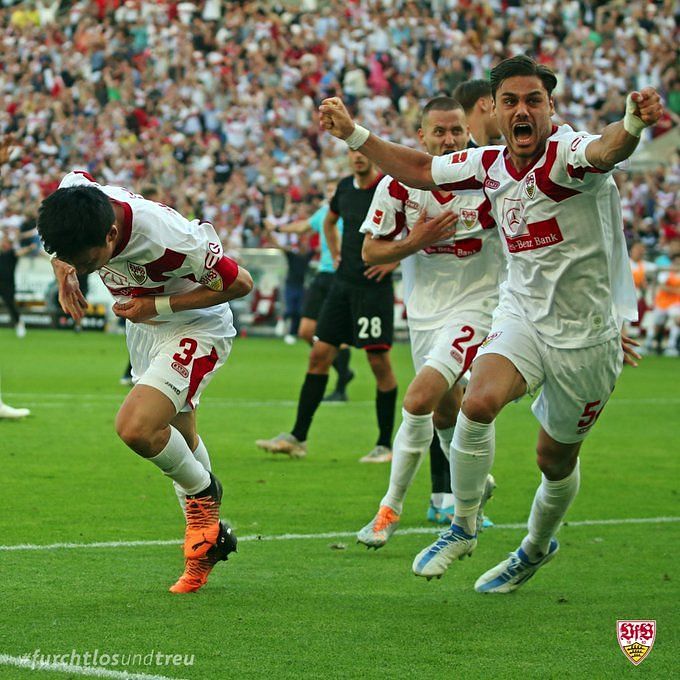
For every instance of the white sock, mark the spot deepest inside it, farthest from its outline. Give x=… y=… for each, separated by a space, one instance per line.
x=436 y=499
x=178 y=462
x=447 y=500
x=473 y=449
x=201 y=455
x=551 y=502
x=410 y=444
x=445 y=438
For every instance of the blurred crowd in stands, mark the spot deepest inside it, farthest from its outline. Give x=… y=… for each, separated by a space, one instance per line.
x=213 y=103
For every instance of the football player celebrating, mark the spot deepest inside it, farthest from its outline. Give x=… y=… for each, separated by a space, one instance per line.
x=172 y=283
x=560 y=311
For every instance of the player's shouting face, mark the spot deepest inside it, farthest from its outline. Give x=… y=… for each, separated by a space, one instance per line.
x=523 y=108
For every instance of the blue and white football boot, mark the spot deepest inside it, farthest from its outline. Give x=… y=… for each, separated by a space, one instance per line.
x=434 y=560
x=510 y=574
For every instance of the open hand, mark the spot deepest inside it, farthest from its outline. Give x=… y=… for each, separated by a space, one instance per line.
x=429 y=230
x=71 y=298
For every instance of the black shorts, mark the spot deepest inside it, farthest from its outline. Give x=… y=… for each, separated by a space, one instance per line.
x=357 y=315
x=316 y=294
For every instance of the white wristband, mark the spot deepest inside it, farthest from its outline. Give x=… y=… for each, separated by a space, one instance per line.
x=357 y=138
x=162 y=303
x=632 y=124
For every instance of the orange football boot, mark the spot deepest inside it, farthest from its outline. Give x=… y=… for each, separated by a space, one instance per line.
x=202 y=514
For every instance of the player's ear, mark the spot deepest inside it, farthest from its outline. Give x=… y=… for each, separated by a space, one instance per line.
x=112 y=236
x=552 y=106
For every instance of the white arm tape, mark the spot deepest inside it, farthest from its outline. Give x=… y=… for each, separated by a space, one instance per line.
x=162 y=303
x=357 y=138
x=632 y=124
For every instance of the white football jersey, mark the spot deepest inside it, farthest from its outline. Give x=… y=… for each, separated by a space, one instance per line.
x=453 y=276
x=561 y=227
x=161 y=253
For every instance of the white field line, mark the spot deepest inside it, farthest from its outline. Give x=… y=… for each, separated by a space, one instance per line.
x=91 y=671
x=57 y=400
x=329 y=534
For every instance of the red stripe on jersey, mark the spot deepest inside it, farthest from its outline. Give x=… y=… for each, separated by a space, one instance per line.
x=396 y=190
x=199 y=369
x=441 y=199
x=125 y=228
x=169 y=261
x=136 y=291
x=462 y=185
x=228 y=270
x=484 y=215
x=86 y=175
x=488 y=158
x=580 y=173
x=554 y=191
x=400 y=222
x=470 y=354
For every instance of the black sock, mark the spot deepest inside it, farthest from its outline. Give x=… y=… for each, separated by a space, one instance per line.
x=341 y=365
x=384 y=408
x=310 y=397
x=440 y=473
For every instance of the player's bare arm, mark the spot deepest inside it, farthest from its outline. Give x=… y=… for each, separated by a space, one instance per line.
x=404 y=164
x=330 y=230
x=144 y=308
x=424 y=233
x=619 y=140
x=71 y=298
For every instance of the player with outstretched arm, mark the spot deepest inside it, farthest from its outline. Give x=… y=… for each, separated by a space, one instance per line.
x=568 y=290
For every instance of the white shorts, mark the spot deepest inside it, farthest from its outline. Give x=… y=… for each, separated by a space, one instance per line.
x=451 y=348
x=577 y=383
x=178 y=361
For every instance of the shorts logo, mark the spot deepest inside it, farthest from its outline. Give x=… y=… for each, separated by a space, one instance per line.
x=636 y=639
x=211 y=279
x=457 y=356
x=176 y=390
x=458 y=157
x=378 y=217
x=412 y=204
x=530 y=185
x=490 y=338
x=214 y=255
x=469 y=217
x=180 y=369
x=137 y=272
x=491 y=183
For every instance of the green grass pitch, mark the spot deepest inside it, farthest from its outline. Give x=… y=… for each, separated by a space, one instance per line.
x=300 y=607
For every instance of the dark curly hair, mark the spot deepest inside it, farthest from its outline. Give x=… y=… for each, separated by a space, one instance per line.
x=521 y=65
x=75 y=219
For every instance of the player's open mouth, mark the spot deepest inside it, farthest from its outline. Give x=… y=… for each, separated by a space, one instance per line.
x=522 y=132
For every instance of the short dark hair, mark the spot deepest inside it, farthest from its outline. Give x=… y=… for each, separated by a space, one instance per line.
x=75 y=219
x=470 y=92
x=521 y=65
x=440 y=104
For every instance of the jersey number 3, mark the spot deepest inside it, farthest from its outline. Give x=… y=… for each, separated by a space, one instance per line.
x=189 y=346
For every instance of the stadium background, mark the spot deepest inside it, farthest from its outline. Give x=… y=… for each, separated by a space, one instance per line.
x=214 y=104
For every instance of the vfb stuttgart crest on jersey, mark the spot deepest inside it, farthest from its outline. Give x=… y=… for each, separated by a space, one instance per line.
x=468 y=217
x=530 y=185
x=636 y=639
x=137 y=272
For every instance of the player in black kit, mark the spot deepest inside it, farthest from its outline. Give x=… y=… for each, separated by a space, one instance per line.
x=359 y=310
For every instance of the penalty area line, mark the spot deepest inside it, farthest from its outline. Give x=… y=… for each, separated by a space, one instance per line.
x=89 y=671
x=20 y=547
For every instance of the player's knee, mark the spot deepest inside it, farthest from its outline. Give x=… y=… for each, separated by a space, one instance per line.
x=321 y=358
x=133 y=432
x=481 y=408
x=555 y=464
x=306 y=335
x=418 y=402
x=444 y=420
